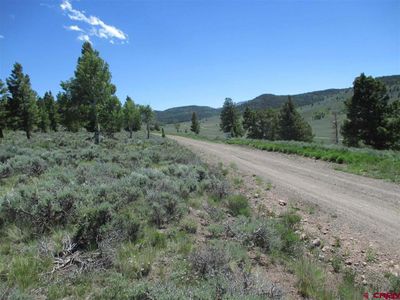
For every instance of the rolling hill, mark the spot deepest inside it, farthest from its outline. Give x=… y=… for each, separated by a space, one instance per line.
x=184 y=113
x=328 y=98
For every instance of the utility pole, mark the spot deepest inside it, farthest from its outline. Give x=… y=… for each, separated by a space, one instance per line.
x=335 y=127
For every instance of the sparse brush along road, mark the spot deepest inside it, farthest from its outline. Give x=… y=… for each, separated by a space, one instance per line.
x=367 y=206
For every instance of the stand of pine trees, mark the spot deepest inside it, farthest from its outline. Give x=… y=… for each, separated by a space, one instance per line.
x=87 y=101
x=371 y=120
x=286 y=124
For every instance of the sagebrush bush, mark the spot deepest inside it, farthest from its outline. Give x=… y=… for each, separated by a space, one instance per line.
x=238 y=205
x=188 y=225
x=116 y=207
x=208 y=261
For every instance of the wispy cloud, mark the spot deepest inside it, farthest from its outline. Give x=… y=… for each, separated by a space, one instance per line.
x=84 y=37
x=1 y=36
x=74 y=28
x=96 y=26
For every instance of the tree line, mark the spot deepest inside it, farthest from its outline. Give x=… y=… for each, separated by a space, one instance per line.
x=371 y=120
x=283 y=124
x=87 y=100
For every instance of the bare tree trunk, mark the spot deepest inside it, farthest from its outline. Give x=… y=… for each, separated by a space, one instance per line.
x=28 y=134
x=148 y=130
x=130 y=132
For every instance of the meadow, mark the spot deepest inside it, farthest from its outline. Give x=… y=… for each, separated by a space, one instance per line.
x=121 y=220
x=138 y=219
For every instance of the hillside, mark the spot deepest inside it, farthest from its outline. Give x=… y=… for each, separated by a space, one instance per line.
x=328 y=97
x=184 y=113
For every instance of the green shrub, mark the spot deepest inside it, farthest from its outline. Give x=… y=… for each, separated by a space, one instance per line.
x=218 y=188
x=164 y=207
x=216 y=230
x=188 y=225
x=337 y=263
x=89 y=230
x=290 y=219
x=311 y=280
x=135 y=263
x=347 y=288
x=238 y=205
x=208 y=261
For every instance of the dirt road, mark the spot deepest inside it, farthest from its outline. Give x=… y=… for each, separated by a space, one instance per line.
x=367 y=206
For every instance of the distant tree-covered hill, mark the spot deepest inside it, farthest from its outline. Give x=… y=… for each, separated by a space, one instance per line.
x=184 y=113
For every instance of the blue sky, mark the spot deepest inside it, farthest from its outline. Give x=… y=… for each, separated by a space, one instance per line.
x=172 y=53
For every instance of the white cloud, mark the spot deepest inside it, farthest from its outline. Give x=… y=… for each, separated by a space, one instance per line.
x=96 y=26
x=84 y=37
x=74 y=28
x=1 y=36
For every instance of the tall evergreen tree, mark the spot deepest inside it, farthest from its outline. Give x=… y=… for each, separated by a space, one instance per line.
x=43 y=116
x=393 y=119
x=366 y=114
x=110 y=115
x=260 y=124
x=67 y=112
x=132 y=118
x=195 y=126
x=267 y=123
x=291 y=125
x=89 y=90
x=3 y=107
x=248 y=118
x=230 y=119
x=14 y=84
x=52 y=110
x=147 y=117
x=22 y=106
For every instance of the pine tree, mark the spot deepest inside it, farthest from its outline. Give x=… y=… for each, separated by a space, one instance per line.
x=230 y=119
x=66 y=110
x=90 y=90
x=195 y=126
x=43 y=116
x=162 y=132
x=3 y=107
x=260 y=124
x=393 y=119
x=248 y=118
x=51 y=108
x=147 y=117
x=132 y=118
x=110 y=115
x=22 y=106
x=14 y=83
x=291 y=125
x=366 y=114
x=267 y=124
